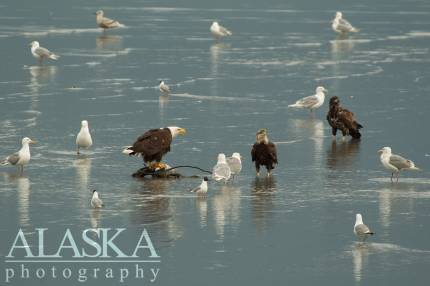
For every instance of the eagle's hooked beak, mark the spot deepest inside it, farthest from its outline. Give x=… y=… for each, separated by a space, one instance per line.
x=182 y=131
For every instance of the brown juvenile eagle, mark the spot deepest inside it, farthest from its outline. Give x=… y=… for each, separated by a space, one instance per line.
x=342 y=119
x=264 y=153
x=153 y=144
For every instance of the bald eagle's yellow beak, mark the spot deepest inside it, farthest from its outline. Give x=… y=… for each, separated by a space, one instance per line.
x=182 y=131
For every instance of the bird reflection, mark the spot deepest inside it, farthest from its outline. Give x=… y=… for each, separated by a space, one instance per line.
x=314 y=129
x=262 y=190
x=163 y=101
x=152 y=205
x=202 y=208
x=111 y=42
x=342 y=154
x=342 y=44
x=95 y=215
x=39 y=76
x=83 y=170
x=226 y=205
x=23 y=188
x=360 y=252
x=216 y=51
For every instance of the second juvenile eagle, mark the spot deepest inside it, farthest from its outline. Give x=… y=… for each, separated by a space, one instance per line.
x=264 y=153
x=154 y=144
x=342 y=119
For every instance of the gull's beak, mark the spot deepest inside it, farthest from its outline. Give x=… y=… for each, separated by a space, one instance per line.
x=380 y=151
x=182 y=131
x=30 y=44
x=325 y=90
x=33 y=142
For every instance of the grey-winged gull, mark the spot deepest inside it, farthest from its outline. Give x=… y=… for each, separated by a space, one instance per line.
x=219 y=31
x=395 y=163
x=311 y=102
x=221 y=171
x=22 y=157
x=341 y=25
x=235 y=164
x=83 y=139
x=106 y=23
x=360 y=229
x=42 y=53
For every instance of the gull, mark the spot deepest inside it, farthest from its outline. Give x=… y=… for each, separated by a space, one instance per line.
x=311 y=102
x=164 y=88
x=22 y=157
x=96 y=202
x=83 y=139
x=341 y=25
x=360 y=229
x=235 y=164
x=219 y=31
x=202 y=189
x=106 y=23
x=221 y=171
x=41 y=53
x=395 y=163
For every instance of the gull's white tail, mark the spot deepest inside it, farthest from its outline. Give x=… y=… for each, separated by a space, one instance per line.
x=54 y=57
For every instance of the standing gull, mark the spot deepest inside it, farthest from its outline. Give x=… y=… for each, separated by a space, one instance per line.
x=264 y=153
x=41 y=53
x=395 y=163
x=96 y=202
x=219 y=31
x=202 y=189
x=235 y=164
x=106 y=23
x=360 y=229
x=20 y=158
x=164 y=88
x=311 y=102
x=83 y=139
x=221 y=171
x=341 y=25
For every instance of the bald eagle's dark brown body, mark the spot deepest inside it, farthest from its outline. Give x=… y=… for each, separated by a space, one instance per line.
x=152 y=145
x=264 y=154
x=342 y=119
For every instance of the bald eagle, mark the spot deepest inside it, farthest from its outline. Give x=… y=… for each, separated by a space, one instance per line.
x=154 y=144
x=342 y=119
x=264 y=153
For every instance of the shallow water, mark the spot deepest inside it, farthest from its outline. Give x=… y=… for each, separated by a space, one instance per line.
x=295 y=227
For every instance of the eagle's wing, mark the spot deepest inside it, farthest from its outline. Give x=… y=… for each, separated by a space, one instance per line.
x=253 y=150
x=153 y=141
x=271 y=148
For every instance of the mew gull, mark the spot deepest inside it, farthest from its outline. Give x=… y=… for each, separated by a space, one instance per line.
x=395 y=163
x=42 y=53
x=360 y=229
x=83 y=139
x=341 y=25
x=235 y=164
x=164 y=88
x=311 y=102
x=219 y=31
x=202 y=189
x=96 y=202
x=106 y=23
x=221 y=171
x=22 y=157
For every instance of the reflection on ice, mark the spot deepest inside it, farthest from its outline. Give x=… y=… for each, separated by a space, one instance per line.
x=262 y=203
x=83 y=171
x=111 y=42
x=341 y=154
x=226 y=206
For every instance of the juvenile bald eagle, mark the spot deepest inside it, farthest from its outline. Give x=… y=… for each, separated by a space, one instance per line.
x=264 y=153
x=342 y=119
x=154 y=143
